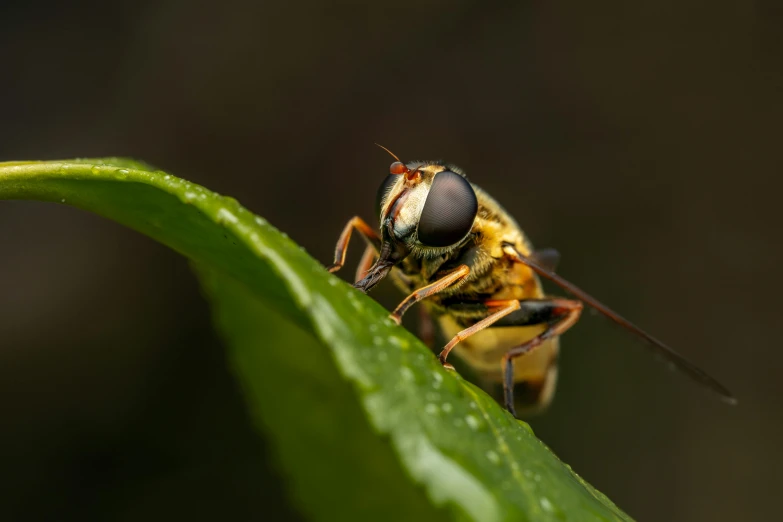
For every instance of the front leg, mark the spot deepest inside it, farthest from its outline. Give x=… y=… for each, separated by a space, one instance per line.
x=426 y=327
x=367 y=232
x=444 y=282
x=368 y=258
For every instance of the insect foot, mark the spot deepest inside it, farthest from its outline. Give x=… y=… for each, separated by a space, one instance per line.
x=445 y=364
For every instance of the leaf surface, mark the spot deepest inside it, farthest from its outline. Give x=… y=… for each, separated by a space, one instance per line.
x=364 y=421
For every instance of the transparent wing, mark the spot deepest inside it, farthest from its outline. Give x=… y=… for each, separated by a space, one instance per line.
x=680 y=362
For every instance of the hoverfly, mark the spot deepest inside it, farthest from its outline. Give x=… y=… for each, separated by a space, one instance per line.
x=447 y=243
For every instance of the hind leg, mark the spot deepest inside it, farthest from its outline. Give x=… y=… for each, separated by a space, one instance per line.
x=558 y=315
x=563 y=314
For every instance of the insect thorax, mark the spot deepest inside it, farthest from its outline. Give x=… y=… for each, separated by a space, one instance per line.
x=492 y=274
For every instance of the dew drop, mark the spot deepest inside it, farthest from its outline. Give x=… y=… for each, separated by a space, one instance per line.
x=546 y=504
x=447 y=407
x=95 y=169
x=472 y=421
x=224 y=215
x=493 y=457
x=403 y=345
x=431 y=409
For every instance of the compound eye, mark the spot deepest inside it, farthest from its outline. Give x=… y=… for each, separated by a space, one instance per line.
x=449 y=210
x=387 y=184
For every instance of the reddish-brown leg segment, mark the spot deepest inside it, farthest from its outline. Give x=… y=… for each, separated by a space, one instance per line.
x=368 y=258
x=426 y=328
x=563 y=315
x=505 y=308
x=449 y=279
x=370 y=235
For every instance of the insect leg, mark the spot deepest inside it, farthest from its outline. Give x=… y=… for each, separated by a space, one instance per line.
x=559 y=314
x=368 y=258
x=505 y=308
x=426 y=327
x=370 y=235
x=461 y=272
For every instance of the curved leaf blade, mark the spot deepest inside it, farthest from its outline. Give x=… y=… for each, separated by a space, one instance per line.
x=452 y=438
x=337 y=467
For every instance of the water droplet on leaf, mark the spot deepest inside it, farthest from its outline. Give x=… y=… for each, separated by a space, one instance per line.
x=472 y=421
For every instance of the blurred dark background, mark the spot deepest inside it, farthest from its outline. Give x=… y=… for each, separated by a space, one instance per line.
x=642 y=141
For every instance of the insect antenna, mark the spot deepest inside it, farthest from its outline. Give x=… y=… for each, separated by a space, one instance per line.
x=399 y=168
x=657 y=346
x=390 y=152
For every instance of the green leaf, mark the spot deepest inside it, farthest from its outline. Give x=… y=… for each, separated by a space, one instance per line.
x=365 y=423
